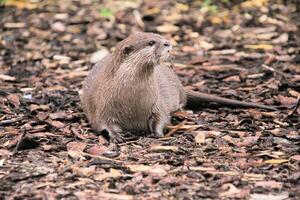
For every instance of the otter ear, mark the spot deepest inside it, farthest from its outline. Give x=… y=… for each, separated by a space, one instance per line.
x=127 y=50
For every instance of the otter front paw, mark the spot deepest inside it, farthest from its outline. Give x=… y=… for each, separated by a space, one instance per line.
x=157 y=134
x=113 y=136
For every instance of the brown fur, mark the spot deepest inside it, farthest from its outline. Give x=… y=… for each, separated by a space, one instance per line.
x=130 y=90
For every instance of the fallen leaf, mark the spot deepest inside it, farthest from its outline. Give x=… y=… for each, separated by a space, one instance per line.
x=2 y=162
x=203 y=169
x=221 y=68
x=34 y=107
x=276 y=161
x=55 y=124
x=112 y=196
x=200 y=137
x=58 y=27
x=74 y=74
x=296 y=157
x=81 y=181
x=14 y=25
x=248 y=141
x=106 y=13
x=232 y=79
x=231 y=190
x=223 y=52
x=259 y=46
x=97 y=150
x=98 y=55
x=167 y=28
x=83 y=171
x=7 y=77
x=139 y=168
x=58 y=115
x=113 y=173
x=184 y=127
x=14 y=99
x=182 y=7
x=269 y=184
x=76 y=146
x=21 y=4
x=165 y=148
x=278 y=196
x=206 y=45
x=254 y=3
x=283 y=38
x=286 y=101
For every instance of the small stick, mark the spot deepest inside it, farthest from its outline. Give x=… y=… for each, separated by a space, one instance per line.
x=9 y=121
x=20 y=141
x=295 y=108
x=275 y=71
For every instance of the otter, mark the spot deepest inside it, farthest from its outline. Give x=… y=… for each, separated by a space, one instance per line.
x=134 y=90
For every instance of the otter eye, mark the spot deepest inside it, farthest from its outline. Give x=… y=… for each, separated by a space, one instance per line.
x=151 y=43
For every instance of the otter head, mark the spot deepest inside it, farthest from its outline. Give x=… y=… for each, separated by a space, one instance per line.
x=144 y=49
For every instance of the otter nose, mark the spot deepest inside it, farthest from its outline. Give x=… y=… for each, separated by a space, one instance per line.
x=167 y=44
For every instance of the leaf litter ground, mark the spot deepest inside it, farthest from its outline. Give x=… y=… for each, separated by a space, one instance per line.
x=243 y=50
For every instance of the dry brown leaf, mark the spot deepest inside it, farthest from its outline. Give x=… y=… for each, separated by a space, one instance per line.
x=286 y=101
x=74 y=74
x=277 y=196
x=200 y=137
x=139 y=168
x=165 y=148
x=231 y=190
x=269 y=184
x=203 y=169
x=7 y=77
x=76 y=146
x=276 y=161
x=296 y=157
x=248 y=141
x=283 y=38
x=167 y=28
x=97 y=150
x=294 y=93
x=58 y=115
x=259 y=46
x=232 y=79
x=13 y=25
x=222 y=68
x=113 y=173
x=55 y=124
x=21 y=4
x=83 y=171
x=184 y=127
x=113 y=196
x=14 y=99
x=34 y=107
x=254 y=3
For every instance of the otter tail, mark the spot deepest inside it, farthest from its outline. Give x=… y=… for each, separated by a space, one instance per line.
x=196 y=99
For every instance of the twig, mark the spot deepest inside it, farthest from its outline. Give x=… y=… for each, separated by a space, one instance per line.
x=20 y=141
x=10 y=121
x=275 y=71
x=297 y=105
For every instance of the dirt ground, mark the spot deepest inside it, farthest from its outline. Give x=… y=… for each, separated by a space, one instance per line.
x=245 y=50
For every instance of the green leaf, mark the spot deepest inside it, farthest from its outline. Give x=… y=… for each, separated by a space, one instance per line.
x=213 y=9
x=206 y=3
x=106 y=12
